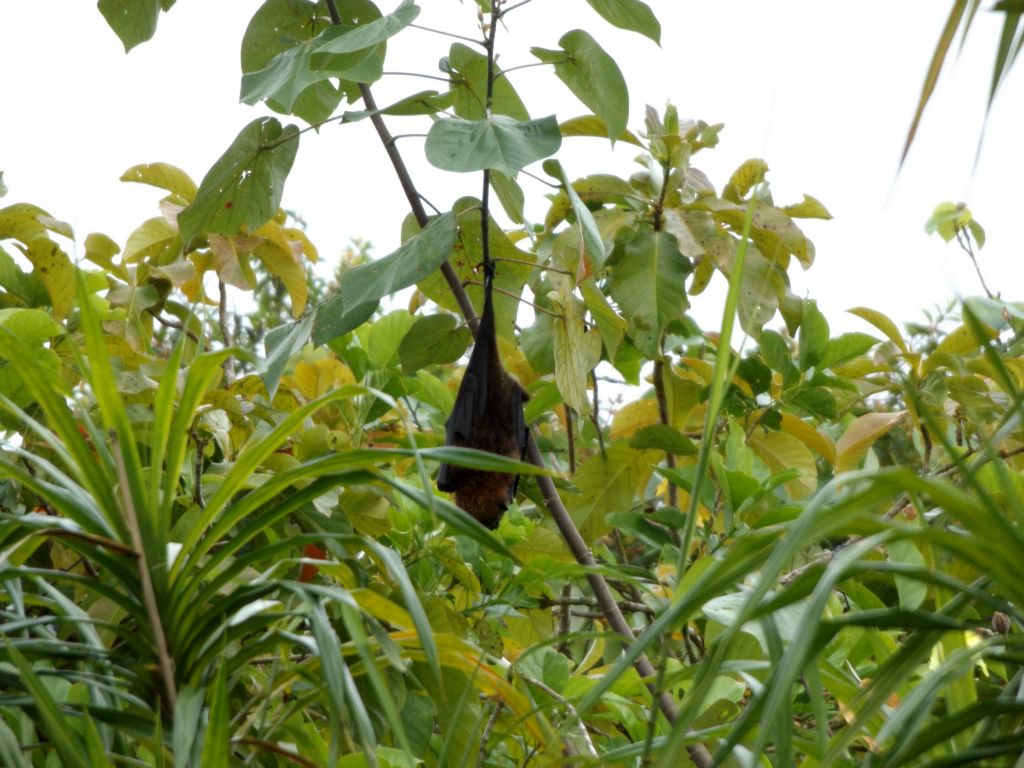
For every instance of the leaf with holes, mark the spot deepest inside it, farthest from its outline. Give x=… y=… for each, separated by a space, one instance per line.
x=243 y=188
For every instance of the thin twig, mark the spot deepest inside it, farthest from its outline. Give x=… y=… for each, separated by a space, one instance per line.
x=569 y=747
x=570 y=436
x=564 y=620
x=420 y=27
x=518 y=298
x=595 y=416
x=417 y=74
x=175 y=325
x=481 y=755
x=225 y=335
x=964 y=240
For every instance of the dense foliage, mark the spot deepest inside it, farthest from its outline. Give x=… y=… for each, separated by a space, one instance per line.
x=804 y=548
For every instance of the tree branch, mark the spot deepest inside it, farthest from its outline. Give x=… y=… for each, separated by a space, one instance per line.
x=698 y=753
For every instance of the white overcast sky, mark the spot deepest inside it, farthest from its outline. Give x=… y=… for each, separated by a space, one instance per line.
x=824 y=91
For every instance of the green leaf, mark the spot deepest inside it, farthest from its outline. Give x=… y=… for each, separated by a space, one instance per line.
x=52 y=721
x=813 y=337
x=467 y=70
x=365 y=35
x=586 y=227
x=912 y=592
x=133 y=21
x=216 y=738
x=610 y=324
x=662 y=437
x=499 y=143
x=386 y=336
x=607 y=483
x=593 y=77
x=343 y=51
x=510 y=195
x=243 y=189
x=362 y=287
x=817 y=401
x=281 y=343
x=32 y=326
x=648 y=281
x=845 y=348
x=433 y=340
x=629 y=14
x=278 y=26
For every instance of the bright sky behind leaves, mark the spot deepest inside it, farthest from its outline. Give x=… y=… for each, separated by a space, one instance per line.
x=823 y=91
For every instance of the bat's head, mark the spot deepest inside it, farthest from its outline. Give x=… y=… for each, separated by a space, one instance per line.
x=485 y=495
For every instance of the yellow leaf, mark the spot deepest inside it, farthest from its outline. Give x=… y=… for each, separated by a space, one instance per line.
x=861 y=435
x=298 y=236
x=322 y=376
x=962 y=340
x=149 y=238
x=781 y=451
x=809 y=436
x=882 y=323
x=163 y=176
x=56 y=271
x=284 y=264
x=632 y=417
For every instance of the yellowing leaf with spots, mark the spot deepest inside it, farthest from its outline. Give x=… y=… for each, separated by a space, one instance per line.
x=56 y=271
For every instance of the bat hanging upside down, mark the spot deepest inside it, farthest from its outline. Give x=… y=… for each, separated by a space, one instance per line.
x=488 y=416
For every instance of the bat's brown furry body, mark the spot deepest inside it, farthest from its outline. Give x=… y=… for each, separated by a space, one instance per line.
x=488 y=415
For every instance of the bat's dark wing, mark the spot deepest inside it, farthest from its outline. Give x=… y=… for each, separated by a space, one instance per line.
x=459 y=427
x=522 y=436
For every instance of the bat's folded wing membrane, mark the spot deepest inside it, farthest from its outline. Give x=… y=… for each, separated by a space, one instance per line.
x=459 y=428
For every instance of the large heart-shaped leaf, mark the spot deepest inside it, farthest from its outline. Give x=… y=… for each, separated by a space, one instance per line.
x=593 y=76
x=467 y=70
x=243 y=188
x=648 y=282
x=498 y=143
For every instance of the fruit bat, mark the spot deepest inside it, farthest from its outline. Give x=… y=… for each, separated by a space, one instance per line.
x=488 y=416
